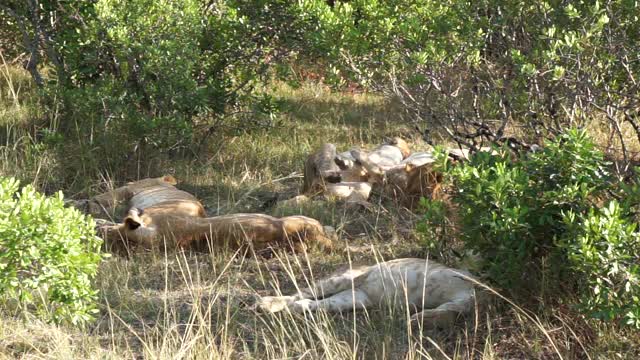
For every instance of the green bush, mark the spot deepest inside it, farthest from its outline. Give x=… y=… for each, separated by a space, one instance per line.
x=511 y=209
x=534 y=221
x=48 y=255
x=603 y=247
x=434 y=224
x=462 y=65
x=149 y=72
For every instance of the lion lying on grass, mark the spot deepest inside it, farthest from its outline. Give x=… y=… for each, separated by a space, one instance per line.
x=322 y=169
x=385 y=156
x=435 y=294
x=160 y=215
x=343 y=176
x=257 y=231
x=352 y=175
x=413 y=178
x=154 y=196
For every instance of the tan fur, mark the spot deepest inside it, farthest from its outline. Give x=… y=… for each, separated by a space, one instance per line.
x=350 y=169
x=375 y=172
x=356 y=192
x=155 y=195
x=414 y=178
x=433 y=292
x=345 y=175
x=382 y=159
x=390 y=153
x=422 y=180
x=321 y=169
x=402 y=145
x=256 y=230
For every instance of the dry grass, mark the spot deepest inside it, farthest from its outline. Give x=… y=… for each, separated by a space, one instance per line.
x=198 y=305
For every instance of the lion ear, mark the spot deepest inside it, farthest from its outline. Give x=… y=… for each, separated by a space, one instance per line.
x=131 y=223
x=342 y=164
x=409 y=167
x=170 y=179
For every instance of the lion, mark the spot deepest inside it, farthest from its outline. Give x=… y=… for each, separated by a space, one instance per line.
x=160 y=215
x=154 y=195
x=326 y=170
x=390 y=153
x=350 y=192
x=325 y=167
x=168 y=230
x=414 y=177
x=434 y=293
x=382 y=159
x=320 y=168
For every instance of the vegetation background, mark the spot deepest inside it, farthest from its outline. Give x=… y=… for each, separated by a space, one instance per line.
x=230 y=96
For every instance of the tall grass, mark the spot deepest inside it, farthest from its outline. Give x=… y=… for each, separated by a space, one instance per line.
x=198 y=307
x=188 y=305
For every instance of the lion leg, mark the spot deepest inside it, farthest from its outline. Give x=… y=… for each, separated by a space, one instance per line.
x=274 y=304
x=342 y=301
x=333 y=285
x=444 y=315
x=325 y=243
x=321 y=289
x=299 y=231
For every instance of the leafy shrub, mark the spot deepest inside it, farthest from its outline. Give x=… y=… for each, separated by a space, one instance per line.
x=434 y=223
x=48 y=254
x=541 y=208
x=603 y=247
x=458 y=64
x=511 y=210
x=155 y=73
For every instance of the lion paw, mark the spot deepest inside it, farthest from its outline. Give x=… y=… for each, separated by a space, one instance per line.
x=302 y=305
x=272 y=304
